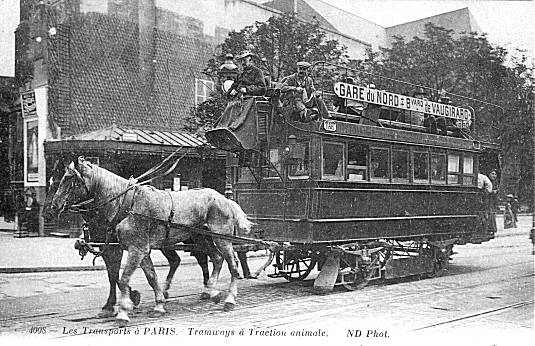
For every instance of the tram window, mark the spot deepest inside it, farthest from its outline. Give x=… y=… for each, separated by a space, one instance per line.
x=300 y=168
x=438 y=168
x=400 y=166
x=421 y=167
x=274 y=158
x=468 y=170
x=357 y=162
x=468 y=164
x=379 y=169
x=333 y=161
x=454 y=168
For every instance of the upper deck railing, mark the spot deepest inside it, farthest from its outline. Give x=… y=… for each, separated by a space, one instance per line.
x=347 y=92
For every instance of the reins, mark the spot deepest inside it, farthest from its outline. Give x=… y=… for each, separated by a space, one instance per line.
x=78 y=206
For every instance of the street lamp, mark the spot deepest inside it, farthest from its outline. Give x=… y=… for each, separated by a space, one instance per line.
x=228 y=73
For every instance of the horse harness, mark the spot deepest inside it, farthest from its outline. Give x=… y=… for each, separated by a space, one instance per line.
x=126 y=208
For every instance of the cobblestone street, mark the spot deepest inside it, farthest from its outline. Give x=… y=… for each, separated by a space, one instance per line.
x=486 y=293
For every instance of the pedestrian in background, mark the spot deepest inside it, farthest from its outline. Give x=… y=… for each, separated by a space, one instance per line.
x=493 y=176
x=515 y=208
x=508 y=217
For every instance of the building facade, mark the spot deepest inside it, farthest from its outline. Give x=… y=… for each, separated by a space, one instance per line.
x=84 y=66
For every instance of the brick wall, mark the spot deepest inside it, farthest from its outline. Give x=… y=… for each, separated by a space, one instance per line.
x=96 y=78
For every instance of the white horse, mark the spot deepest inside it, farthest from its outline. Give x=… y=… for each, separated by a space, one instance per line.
x=144 y=225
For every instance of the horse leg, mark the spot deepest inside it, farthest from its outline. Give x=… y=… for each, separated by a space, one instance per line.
x=209 y=290
x=227 y=251
x=150 y=274
x=174 y=262
x=112 y=256
x=135 y=255
x=202 y=259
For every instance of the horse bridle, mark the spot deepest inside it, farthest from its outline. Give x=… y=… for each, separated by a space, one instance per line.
x=76 y=176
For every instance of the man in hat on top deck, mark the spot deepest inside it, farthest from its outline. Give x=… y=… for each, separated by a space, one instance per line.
x=301 y=95
x=251 y=81
x=417 y=118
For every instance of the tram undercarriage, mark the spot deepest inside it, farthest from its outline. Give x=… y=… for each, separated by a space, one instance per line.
x=354 y=265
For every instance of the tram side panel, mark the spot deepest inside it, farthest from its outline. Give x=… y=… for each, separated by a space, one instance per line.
x=320 y=216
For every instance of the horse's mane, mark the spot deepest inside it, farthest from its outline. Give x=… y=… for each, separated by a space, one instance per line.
x=107 y=183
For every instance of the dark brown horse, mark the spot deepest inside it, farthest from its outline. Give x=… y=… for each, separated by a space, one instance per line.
x=145 y=224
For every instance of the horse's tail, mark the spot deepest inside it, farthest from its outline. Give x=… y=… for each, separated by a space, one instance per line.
x=243 y=223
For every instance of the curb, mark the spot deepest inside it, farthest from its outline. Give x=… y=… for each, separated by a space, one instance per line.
x=27 y=270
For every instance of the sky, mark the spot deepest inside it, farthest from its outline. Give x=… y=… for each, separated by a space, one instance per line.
x=9 y=19
x=507 y=23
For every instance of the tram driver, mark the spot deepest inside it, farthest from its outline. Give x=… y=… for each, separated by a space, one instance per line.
x=300 y=96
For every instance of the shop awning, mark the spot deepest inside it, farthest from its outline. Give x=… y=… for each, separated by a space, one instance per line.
x=131 y=140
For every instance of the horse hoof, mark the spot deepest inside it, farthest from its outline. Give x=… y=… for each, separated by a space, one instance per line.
x=121 y=323
x=204 y=296
x=156 y=313
x=217 y=298
x=107 y=313
x=135 y=297
x=165 y=294
x=229 y=307
x=122 y=319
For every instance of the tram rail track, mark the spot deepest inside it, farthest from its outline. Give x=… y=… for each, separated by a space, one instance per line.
x=293 y=294
x=478 y=314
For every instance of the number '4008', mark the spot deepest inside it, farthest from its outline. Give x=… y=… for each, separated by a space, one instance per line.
x=38 y=330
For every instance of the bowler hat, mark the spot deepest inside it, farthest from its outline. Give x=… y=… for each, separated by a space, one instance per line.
x=244 y=54
x=420 y=91
x=445 y=100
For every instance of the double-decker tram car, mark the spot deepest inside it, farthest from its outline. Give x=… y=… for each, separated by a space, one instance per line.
x=383 y=186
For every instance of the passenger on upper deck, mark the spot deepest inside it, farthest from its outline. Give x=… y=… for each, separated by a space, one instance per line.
x=301 y=96
x=417 y=118
x=348 y=106
x=251 y=81
x=371 y=112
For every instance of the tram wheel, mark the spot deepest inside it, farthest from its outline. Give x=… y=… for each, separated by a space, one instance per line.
x=295 y=268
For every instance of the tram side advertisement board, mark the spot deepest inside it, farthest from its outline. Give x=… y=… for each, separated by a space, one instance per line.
x=462 y=116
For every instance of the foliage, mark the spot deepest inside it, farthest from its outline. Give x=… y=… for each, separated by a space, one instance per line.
x=205 y=114
x=470 y=65
x=279 y=43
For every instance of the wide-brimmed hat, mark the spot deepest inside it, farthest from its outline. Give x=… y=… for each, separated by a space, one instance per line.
x=244 y=54
x=229 y=56
x=510 y=196
x=303 y=65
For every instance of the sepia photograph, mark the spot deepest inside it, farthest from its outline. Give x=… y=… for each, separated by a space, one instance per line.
x=260 y=172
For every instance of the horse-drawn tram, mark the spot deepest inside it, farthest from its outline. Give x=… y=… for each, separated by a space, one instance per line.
x=361 y=182
x=382 y=186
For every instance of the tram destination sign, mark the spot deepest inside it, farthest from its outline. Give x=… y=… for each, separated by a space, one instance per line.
x=388 y=99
